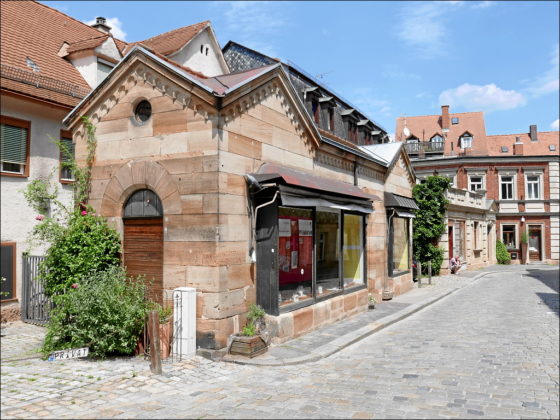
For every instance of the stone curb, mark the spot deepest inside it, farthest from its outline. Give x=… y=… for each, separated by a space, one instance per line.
x=352 y=337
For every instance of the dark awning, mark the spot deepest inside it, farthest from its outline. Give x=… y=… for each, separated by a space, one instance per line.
x=270 y=172
x=399 y=201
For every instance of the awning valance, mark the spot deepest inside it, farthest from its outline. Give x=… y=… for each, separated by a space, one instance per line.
x=399 y=202
x=273 y=173
x=402 y=213
x=298 y=198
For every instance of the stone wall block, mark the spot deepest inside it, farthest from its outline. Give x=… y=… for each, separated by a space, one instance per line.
x=303 y=320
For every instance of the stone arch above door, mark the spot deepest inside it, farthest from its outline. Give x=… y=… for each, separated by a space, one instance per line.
x=136 y=175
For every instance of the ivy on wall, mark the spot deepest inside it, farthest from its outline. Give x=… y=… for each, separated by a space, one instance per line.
x=429 y=222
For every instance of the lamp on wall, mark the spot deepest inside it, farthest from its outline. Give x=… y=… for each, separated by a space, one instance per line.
x=522 y=219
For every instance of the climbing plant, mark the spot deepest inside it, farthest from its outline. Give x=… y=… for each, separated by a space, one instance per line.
x=429 y=222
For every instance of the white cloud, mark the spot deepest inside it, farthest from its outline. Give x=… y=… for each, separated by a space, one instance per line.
x=555 y=125
x=253 y=23
x=423 y=26
x=481 y=98
x=371 y=106
x=548 y=82
x=482 y=4
x=116 y=27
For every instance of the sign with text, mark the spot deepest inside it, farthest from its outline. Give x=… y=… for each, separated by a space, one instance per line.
x=68 y=354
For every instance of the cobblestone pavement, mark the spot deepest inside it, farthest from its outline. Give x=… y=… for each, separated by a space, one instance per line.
x=488 y=350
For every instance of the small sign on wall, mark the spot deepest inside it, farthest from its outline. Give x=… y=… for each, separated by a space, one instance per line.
x=68 y=354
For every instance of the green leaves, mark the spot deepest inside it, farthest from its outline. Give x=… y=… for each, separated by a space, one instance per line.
x=105 y=312
x=502 y=255
x=429 y=222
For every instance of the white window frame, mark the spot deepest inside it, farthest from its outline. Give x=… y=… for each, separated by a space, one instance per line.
x=463 y=146
x=513 y=188
x=515 y=235
x=437 y=137
x=539 y=183
x=482 y=181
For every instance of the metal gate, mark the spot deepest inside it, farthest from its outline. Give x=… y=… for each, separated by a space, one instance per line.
x=35 y=303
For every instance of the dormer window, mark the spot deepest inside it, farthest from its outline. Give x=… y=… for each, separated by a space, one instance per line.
x=436 y=139
x=466 y=141
x=455 y=120
x=331 y=119
x=412 y=140
x=315 y=110
x=505 y=149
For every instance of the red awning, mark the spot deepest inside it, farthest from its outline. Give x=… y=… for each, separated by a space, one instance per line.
x=270 y=172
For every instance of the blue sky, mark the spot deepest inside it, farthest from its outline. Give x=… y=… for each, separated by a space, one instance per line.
x=388 y=58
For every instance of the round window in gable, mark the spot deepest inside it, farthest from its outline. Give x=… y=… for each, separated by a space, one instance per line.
x=143 y=111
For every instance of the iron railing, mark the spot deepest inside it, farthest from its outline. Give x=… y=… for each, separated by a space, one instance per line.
x=36 y=305
x=424 y=146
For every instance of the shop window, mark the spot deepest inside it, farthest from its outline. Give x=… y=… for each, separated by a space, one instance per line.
x=506 y=187
x=14 y=134
x=399 y=246
x=339 y=261
x=508 y=236
x=533 y=187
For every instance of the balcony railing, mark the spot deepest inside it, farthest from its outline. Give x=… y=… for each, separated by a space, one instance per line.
x=424 y=146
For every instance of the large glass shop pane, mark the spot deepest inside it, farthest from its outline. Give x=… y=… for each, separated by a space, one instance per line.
x=295 y=255
x=327 y=234
x=353 y=250
x=400 y=244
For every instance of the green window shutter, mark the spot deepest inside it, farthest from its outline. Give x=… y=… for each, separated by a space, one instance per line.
x=14 y=144
x=67 y=152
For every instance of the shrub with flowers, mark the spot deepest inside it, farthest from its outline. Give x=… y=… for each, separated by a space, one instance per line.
x=87 y=244
x=104 y=311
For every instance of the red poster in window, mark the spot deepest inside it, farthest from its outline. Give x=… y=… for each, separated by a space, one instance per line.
x=295 y=252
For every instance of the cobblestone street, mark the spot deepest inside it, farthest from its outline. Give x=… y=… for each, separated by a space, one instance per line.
x=488 y=350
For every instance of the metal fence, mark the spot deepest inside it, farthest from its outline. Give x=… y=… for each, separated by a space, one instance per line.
x=36 y=305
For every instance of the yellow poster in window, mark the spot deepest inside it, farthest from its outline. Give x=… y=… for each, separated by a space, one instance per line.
x=352 y=249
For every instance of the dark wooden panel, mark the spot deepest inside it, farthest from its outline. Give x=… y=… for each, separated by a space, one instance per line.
x=267 y=258
x=143 y=251
x=8 y=268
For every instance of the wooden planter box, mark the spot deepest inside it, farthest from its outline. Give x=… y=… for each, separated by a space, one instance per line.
x=248 y=346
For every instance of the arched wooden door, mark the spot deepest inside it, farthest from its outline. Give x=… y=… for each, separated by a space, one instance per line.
x=143 y=239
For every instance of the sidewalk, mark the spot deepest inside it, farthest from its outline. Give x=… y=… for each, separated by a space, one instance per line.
x=332 y=338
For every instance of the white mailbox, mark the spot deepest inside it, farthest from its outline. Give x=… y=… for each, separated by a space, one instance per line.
x=184 y=321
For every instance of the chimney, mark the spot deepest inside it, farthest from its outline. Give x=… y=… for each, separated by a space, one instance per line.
x=533 y=132
x=101 y=25
x=518 y=146
x=445 y=118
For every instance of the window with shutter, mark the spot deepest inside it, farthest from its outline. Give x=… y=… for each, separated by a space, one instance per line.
x=66 y=158
x=14 y=139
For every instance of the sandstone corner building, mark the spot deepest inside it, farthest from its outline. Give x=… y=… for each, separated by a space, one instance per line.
x=227 y=184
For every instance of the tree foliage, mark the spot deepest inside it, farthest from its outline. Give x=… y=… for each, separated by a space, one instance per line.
x=429 y=222
x=502 y=255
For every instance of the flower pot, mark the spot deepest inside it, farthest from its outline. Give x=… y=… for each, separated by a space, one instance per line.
x=247 y=346
x=371 y=305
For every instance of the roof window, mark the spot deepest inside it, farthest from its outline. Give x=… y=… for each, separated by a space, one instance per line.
x=505 y=149
x=32 y=65
x=455 y=120
x=552 y=147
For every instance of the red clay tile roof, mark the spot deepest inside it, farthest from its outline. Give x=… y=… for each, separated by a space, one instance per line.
x=87 y=44
x=530 y=148
x=426 y=126
x=172 y=41
x=34 y=30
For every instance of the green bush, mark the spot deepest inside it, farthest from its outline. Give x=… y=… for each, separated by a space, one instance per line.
x=502 y=255
x=87 y=244
x=435 y=255
x=105 y=312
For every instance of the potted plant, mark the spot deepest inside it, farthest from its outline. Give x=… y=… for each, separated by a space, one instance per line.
x=371 y=301
x=250 y=342
x=524 y=244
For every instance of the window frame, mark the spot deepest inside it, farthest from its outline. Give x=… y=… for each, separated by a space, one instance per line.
x=538 y=183
x=471 y=182
x=438 y=137
x=513 y=188
x=16 y=122
x=462 y=140
x=14 y=297
x=106 y=64
x=64 y=134
x=515 y=235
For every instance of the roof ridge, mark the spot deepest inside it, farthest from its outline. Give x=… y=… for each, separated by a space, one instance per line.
x=172 y=30
x=439 y=115
x=89 y=39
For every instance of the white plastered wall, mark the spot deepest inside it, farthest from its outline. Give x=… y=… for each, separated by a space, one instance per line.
x=17 y=218
x=87 y=66
x=190 y=56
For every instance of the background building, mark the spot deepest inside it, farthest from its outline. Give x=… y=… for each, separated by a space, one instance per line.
x=520 y=172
